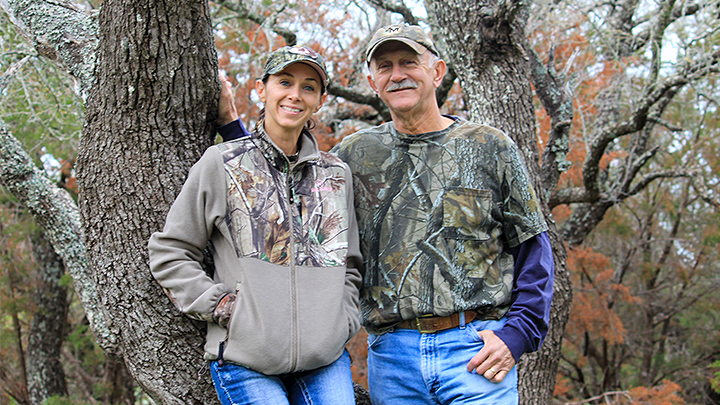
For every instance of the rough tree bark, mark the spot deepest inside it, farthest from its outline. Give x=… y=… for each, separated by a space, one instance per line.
x=149 y=116
x=47 y=330
x=485 y=42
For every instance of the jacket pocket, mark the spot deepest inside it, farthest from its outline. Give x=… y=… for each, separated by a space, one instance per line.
x=467 y=214
x=322 y=313
x=258 y=335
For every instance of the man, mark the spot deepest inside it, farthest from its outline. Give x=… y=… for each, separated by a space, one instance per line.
x=459 y=268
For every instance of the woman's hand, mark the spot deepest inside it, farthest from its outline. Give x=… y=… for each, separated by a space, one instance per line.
x=227 y=112
x=224 y=309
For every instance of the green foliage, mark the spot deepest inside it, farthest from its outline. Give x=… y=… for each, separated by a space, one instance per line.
x=715 y=381
x=84 y=347
x=55 y=400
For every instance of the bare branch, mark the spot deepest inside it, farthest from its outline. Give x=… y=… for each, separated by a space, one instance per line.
x=638 y=118
x=10 y=73
x=568 y=196
x=607 y=396
x=359 y=98
x=669 y=125
x=704 y=193
x=556 y=98
x=243 y=12
x=580 y=195
x=635 y=166
x=645 y=180
x=642 y=37
x=397 y=7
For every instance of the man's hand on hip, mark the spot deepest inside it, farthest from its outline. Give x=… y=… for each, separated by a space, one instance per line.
x=494 y=360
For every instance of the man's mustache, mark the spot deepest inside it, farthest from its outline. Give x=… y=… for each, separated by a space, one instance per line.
x=402 y=85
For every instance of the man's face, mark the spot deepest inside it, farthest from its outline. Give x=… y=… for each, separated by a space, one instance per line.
x=404 y=80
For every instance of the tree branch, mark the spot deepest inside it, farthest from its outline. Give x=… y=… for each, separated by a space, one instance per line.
x=641 y=39
x=605 y=395
x=56 y=212
x=638 y=118
x=577 y=195
x=398 y=7
x=243 y=11
x=359 y=98
x=556 y=98
x=704 y=193
x=571 y=195
x=69 y=38
x=60 y=32
x=650 y=177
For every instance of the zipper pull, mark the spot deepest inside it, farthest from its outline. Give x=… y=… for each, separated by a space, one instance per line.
x=292 y=189
x=221 y=349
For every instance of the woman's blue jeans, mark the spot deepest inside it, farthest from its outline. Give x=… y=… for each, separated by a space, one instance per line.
x=331 y=385
x=409 y=367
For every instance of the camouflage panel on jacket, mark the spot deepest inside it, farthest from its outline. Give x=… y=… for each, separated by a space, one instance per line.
x=259 y=214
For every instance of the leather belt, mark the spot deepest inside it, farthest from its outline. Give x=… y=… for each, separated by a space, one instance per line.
x=432 y=324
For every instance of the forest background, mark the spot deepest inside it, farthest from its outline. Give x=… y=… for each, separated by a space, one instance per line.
x=613 y=104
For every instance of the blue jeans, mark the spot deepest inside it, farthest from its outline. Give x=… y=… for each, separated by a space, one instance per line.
x=330 y=385
x=409 y=367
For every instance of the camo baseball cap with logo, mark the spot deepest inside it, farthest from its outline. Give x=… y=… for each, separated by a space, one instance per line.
x=411 y=35
x=283 y=57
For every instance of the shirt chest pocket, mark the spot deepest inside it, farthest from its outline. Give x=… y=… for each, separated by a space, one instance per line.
x=467 y=214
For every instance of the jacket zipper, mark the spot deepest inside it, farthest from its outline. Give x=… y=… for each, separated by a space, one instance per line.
x=290 y=189
x=290 y=186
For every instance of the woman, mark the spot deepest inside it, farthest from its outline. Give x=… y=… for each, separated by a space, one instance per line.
x=283 y=298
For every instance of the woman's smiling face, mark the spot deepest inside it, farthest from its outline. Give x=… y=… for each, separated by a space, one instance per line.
x=291 y=97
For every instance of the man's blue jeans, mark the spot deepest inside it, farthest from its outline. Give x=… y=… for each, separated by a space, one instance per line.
x=409 y=367
x=331 y=385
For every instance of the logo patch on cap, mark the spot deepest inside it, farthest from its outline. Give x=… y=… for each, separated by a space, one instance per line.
x=411 y=35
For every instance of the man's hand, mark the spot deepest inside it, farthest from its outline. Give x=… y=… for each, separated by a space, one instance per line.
x=227 y=112
x=494 y=360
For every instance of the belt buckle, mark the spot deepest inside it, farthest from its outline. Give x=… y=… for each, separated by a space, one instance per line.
x=420 y=327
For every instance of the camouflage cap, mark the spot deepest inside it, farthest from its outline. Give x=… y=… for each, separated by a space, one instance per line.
x=285 y=56
x=411 y=35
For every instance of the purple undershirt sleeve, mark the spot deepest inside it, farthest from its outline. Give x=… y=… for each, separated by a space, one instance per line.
x=232 y=130
x=529 y=314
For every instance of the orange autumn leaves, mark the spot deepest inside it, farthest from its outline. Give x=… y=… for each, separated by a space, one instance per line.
x=592 y=312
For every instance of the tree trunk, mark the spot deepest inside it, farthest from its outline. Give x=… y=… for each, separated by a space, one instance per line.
x=484 y=41
x=49 y=326
x=149 y=118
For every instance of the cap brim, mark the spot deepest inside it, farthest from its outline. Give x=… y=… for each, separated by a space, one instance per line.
x=416 y=46
x=308 y=62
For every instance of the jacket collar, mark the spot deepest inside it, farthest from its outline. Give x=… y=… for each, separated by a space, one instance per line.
x=308 y=148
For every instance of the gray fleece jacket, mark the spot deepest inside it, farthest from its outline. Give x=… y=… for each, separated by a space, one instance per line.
x=283 y=237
